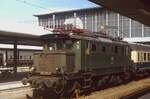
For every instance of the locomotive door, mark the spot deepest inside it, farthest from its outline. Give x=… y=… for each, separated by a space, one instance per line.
x=87 y=54
x=1 y=59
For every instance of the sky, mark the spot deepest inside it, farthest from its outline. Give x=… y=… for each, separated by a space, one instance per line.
x=22 y=11
x=17 y=15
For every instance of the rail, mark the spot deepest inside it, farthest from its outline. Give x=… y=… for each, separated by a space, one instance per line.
x=137 y=94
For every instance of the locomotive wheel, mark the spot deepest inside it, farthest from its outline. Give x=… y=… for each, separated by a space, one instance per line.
x=50 y=94
x=37 y=95
x=119 y=80
x=59 y=89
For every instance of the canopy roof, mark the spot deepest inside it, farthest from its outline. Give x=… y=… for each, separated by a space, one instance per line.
x=7 y=37
x=136 y=9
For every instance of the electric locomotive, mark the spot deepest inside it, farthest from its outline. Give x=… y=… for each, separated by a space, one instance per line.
x=73 y=62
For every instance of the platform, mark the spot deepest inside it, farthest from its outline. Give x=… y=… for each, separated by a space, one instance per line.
x=11 y=85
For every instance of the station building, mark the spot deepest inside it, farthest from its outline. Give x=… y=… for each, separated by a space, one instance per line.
x=93 y=19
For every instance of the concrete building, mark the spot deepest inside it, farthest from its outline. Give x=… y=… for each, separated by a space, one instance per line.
x=93 y=19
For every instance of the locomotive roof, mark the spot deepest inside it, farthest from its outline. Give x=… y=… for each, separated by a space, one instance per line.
x=82 y=36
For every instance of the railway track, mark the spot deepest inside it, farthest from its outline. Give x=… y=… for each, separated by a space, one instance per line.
x=130 y=90
x=137 y=94
x=14 y=90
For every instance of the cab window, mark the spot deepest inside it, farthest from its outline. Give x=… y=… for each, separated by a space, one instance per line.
x=94 y=47
x=122 y=50
x=103 y=49
x=62 y=45
x=116 y=49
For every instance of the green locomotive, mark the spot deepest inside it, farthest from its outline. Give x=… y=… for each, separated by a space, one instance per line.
x=78 y=61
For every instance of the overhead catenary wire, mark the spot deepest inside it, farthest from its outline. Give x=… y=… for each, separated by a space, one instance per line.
x=31 y=4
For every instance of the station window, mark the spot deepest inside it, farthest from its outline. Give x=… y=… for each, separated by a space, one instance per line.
x=93 y=47
x=30 y=57
x=20 y=57
x=24 y=57
x=11 y=57
x=103 y=49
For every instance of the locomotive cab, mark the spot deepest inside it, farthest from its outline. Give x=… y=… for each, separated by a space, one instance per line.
x=57 y=56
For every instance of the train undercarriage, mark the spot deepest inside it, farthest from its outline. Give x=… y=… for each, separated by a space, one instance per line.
x=71 y=85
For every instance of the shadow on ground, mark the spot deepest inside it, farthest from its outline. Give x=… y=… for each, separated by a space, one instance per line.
x=12 y=77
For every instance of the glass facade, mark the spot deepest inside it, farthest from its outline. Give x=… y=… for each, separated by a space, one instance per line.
x=93 y=18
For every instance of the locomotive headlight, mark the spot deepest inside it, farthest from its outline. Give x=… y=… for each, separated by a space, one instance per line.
x=32 y=69
x=57 y=69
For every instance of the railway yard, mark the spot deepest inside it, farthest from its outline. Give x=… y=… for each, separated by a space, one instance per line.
x=132 y=90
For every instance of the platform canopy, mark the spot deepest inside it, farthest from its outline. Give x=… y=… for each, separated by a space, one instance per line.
x=136 y=9
x=7 y=37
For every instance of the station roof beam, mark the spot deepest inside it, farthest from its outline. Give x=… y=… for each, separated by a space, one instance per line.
x=22 y=39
